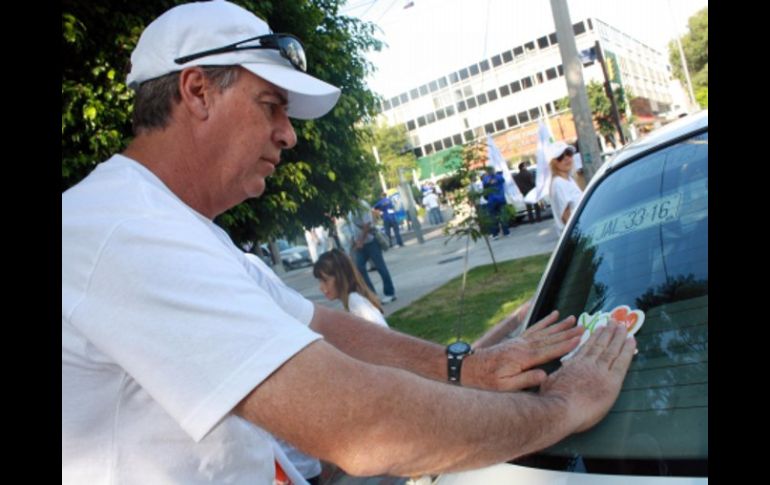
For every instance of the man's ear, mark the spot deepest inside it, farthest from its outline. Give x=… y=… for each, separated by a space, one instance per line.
x=196 y=91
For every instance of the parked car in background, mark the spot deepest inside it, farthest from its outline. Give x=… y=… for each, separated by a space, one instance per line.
x=295 y=257
x=638 y=238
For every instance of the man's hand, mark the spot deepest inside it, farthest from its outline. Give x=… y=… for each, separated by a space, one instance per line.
x=590 y=381
x=506 y=366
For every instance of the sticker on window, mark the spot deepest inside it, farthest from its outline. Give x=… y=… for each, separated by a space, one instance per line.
x=631 y=319
x=658 y=211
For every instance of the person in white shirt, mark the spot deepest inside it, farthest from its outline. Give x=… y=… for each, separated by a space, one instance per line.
x=340 y=280
x=430 y=201
x=181 y=359
x=565 y=193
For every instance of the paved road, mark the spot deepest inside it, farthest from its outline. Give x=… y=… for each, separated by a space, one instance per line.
x=418 y=269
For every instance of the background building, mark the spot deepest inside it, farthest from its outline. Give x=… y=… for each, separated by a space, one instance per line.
x=505 y=94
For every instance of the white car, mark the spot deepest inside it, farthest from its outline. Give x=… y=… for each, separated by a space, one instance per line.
x=638 y=238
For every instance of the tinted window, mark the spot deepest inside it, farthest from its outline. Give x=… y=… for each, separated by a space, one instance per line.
x=507 y=56
x=642 y=240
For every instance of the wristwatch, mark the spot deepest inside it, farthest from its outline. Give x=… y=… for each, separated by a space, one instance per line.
x=455 y=353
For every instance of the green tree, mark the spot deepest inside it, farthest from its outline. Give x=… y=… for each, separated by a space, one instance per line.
x=394 y=149
x=321 y=176
x=695 y=45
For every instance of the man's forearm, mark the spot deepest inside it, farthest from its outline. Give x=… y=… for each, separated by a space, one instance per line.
x=379 y=345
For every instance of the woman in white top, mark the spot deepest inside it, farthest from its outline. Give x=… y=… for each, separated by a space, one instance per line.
x=565 y=193
x=340 y=280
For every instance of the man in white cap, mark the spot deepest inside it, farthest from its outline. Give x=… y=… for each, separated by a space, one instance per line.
x=180 y=357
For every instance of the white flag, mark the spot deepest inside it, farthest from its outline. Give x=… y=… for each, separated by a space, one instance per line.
x=497 y=162
x=544 y=138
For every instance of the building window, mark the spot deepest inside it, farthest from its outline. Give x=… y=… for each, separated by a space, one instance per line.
x=428 y=149
x=539 y=76
x=440 y=114
x=534 y=113
x=492 y=94
x=438 y=146
x=418 y=152
x=484 y=65
x=482 y=99
x=512 y=121
x=442 y=82
x=421 y=121
x=457 y=139
x=414 y=94
x=529 y=46
x=471 y=103
x=465 y=123
x=468 y=135
x=461 y=107
x=542 y=42
x=464 y=73
x=505 y=90
x=468 y=91
x=489 y=128
x=579 y=28
x=553 y=39
x=410 y=125
x=474 y=68
x=447 y=142
x=590 y=24
x=560 y=69
x=450 y=110
x=523 y=117
x=386 y=105
x=507 y=56
x=496 y=61
x=404 y=98
x=458 y=95
x=551 y=73
x=454 y=78
x=431 y=118
x=515 y=86
x=433 y=86
x=518 y=51
x=526 y=82
x=424 y=90
x=500 y=125
x=395 y=102
x=548 y=108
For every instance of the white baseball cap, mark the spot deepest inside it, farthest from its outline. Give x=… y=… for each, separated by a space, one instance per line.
x=194 y=28
x=554 y=150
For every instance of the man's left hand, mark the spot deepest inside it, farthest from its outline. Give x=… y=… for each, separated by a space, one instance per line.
x=508 y=366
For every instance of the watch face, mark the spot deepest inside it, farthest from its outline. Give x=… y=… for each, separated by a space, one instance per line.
x=459 y=348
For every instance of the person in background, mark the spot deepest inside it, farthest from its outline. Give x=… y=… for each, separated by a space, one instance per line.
x=340 y=280
x=525 y=180
x=385 y=207
x=430 y=202
x=364 y=247
x=565 y=193
x=494 y=188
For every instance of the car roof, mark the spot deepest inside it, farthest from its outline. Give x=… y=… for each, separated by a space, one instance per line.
x=670 y=132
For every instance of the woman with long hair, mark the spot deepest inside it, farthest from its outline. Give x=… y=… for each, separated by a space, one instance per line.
x=340 y=280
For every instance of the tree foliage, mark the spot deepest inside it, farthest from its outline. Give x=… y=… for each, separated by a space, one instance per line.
x=320 y=177
x=695 y=45
x=394 y=150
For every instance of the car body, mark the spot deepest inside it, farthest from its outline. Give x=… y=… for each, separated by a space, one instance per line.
x=639 y=237
x=295 y=257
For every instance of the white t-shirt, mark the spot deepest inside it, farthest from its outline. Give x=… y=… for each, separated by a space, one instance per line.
x=430 y=201
x=360 y=306
x=564 y=193
x=166 y=326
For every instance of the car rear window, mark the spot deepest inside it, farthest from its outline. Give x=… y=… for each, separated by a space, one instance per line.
x=642 y=240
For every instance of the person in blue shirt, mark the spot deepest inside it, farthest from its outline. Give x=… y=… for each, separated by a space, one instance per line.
x=494 y=192
x=388 y=212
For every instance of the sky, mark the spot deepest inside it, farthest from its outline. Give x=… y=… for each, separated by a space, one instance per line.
x=434 y=37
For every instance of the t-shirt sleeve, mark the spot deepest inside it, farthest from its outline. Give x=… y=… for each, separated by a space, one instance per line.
x=291 y=301
x=176 y=309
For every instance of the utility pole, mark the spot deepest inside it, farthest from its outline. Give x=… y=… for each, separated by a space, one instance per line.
x=406 y=196
x=578 y=99
x=608 y=90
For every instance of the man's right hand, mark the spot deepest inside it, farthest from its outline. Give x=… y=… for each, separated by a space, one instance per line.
x=590 y=382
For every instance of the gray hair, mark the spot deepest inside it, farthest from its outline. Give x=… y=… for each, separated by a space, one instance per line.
x=153 y=99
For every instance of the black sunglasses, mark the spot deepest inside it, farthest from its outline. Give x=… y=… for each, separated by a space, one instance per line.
x=289 y=46
x=566 y=152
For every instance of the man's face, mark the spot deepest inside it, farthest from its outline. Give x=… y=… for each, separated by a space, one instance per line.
x=251 y=127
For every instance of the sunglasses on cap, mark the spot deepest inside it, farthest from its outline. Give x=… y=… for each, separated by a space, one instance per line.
x=289 y=46
x=566 y=152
